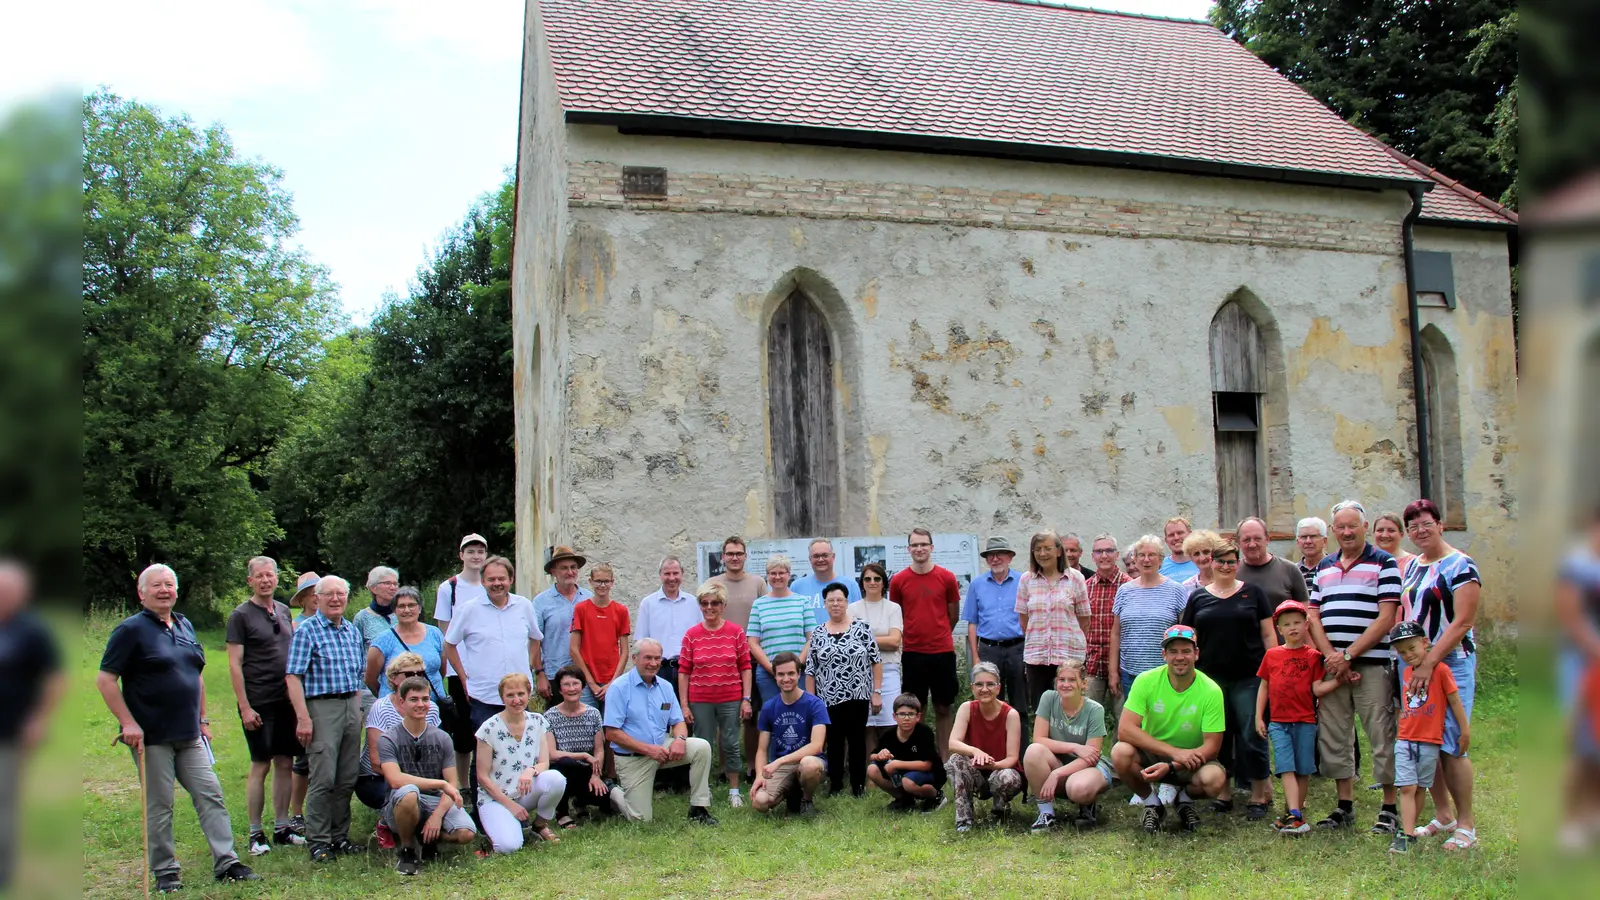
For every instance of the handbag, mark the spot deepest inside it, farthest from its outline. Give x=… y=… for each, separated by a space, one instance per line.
x=447 y=706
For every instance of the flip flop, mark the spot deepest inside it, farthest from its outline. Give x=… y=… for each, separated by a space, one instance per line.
x=1434 y=827
x=1463 y=839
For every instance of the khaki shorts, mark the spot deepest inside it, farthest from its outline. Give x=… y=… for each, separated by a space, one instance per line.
x=787 y=777
x=1177 y=776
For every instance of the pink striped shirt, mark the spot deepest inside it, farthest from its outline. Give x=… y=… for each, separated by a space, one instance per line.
x=1053 y=635
x=711 y=662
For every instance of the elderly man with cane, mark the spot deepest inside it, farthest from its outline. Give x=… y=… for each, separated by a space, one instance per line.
x=160 y=704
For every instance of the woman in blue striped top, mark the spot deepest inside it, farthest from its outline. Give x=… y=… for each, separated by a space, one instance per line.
x=781 y=621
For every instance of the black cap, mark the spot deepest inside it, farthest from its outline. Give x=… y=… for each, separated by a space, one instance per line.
x=1406 y=631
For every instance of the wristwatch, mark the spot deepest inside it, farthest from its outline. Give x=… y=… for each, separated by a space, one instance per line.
x=746 y=699
x=205 y=721
x=1347 y=656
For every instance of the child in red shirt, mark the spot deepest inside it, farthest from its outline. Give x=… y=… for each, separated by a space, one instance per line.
x=600 y=629
x=1291 y=678
x=1416 y=749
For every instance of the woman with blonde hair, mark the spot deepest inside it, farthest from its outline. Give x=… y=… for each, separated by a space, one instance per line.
x=1052 y=601
x=1199 y=546
x=514 y=774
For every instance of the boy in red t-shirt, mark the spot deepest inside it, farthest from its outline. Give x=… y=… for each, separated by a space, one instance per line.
x=1416 y=750
x=600 y=629
x=1292 y=679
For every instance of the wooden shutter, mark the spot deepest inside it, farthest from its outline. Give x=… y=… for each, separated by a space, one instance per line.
x=805 y=452
x=1236 y=352
x=1237 y=383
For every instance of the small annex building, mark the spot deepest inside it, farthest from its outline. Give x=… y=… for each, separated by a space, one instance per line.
x=848 y=266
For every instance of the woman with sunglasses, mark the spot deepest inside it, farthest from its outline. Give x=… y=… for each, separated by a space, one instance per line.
x=1440 y=590
x=886 y=622
x=371 y=788
x=409 y=634
x=714 y=672
x=985 y=749
x=1233 y=622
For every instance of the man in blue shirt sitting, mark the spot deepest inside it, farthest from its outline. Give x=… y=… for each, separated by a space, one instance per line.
x=646 y=729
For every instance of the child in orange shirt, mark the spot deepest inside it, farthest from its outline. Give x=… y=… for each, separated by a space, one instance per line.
x=1416 y=750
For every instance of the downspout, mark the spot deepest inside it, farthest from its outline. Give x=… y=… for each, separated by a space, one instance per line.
x=1419 y=387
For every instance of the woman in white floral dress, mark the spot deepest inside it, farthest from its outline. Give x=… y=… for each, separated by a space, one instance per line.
x=514 y=774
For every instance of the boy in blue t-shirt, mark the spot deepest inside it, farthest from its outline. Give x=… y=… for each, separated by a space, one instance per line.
x=794 y=729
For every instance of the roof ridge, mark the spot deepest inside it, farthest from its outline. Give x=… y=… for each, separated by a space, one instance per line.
x=1449 y=183
x=1074 y=7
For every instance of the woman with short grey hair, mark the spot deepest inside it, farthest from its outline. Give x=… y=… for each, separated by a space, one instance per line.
x=383 y=583
x=985 y=749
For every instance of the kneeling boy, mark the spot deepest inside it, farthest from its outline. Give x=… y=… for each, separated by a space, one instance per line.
x=419 y=763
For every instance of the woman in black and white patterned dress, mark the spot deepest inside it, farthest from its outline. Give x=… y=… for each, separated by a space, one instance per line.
x=846 y=672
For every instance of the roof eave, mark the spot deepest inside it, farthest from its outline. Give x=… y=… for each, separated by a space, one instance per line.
x=679 y=126
x=1473 y=224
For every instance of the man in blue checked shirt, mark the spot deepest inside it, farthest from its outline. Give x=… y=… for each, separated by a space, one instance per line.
x=326 y=660
x=994 y=634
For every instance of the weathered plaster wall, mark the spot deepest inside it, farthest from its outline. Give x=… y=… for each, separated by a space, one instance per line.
x=991 y=379
x=539 y=337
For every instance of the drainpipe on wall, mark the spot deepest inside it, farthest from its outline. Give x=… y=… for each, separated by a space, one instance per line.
x=1418 y=380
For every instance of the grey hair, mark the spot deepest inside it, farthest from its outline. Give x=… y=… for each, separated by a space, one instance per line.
x=1343 y=505
x=1152 y=540
x=151 y=570
x=639 y=644
x=779 y=561
x=250 y=567
x=1265 y=531
x=1311 y=522
x=408 y=591
x=326 y=585
x=665 y=560
x=1072 y=536
x=1104 y=536
x=982 y=668
x=378 y=573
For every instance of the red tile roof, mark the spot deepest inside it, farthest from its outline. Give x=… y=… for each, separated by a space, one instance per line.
x=997 y=72
x=1452 y=201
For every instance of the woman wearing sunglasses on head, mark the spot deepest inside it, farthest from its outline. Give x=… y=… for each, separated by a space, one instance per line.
x=886 y=622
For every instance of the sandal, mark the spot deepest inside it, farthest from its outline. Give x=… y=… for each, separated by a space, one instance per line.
x=1463 y=839
x=1434 y=827
x=542 y=832
x=567 y=823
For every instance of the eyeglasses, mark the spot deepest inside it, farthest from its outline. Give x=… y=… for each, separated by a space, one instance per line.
x=1102 y=551
x=411 y=674
x=988 y=685
x=907 y=714
x=733 y=554
x=1227 y=561
x=1419 y=525
x=387 y=584
x=602 y=581
x=919 y=544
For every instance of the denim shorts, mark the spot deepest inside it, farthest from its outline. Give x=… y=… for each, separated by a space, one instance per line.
x=1464 y=667
x=1414 y=763
x=1294 y=747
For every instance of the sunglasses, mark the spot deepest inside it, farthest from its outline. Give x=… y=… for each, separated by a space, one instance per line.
x=411 y=674
x=871 y=579
x=707 y=604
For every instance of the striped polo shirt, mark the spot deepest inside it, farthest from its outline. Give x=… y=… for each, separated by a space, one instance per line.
x=1349 y=598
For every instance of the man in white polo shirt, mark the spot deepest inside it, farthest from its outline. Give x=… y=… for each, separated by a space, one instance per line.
x=1353 y=605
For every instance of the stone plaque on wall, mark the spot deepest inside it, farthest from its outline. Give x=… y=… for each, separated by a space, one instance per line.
x=644 y=182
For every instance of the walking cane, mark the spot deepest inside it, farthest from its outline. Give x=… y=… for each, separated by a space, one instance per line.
x=144 y=815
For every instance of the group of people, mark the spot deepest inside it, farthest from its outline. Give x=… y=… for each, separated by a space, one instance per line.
x=1196 y=655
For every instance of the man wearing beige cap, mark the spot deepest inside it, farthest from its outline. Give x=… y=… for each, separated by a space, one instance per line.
x=553 y=608
x=455 y=592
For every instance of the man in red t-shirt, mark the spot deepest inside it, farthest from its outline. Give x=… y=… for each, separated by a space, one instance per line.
x=600 y=629
x=930 y=603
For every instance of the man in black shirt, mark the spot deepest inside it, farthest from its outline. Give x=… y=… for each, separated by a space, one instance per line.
x=161 y=706
x=259 y=631
x=30 y=668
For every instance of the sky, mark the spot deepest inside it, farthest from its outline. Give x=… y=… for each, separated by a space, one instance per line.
x=388 y=118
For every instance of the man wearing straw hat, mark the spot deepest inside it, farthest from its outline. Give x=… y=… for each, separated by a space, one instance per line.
x=160 y=704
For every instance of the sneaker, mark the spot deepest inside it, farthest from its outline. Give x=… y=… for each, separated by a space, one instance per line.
x=1388 y=823
x=237 y=872
x=1189 y=817
x=735 y=799
x=901 y=805
x=1255 y=812
x=1401 y=843
x=287 y=836
x=170 y=883
x=258 y=844
x=1168 y=794
x=1292 y=825
x=323 y=853
x=1135 y=800
x=1151 y=823
x=807 y=808
x=963 y=827
x=1043 y=824
x=1087 y=817
x=1337 y=819
x=297 y=825
x=406 y=864
x=791 y=799
x=348 y=847
x=430 y=852
x=932 y=804
x=383 y=836
x=699 y=815
x=1222 y=807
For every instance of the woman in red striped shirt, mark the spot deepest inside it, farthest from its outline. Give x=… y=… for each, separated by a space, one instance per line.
x=714 y=681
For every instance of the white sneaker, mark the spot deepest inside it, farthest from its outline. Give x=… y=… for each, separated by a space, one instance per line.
x=1136 y=800
x=258 y=844
x=735 y=799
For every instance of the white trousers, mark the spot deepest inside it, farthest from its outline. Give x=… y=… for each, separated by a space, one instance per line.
x=503 y=829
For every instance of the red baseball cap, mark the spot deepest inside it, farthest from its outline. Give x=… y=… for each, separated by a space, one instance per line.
x=1289 y=606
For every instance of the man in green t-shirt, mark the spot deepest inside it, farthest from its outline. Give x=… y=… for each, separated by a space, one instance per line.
x=1171 y=729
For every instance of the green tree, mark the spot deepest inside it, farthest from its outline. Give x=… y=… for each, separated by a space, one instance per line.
x=199 y=319
x=1428 y=78
x=421 y=450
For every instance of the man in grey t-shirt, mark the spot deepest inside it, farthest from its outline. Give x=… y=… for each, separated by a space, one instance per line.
x=419 y=763
x=1279 y=578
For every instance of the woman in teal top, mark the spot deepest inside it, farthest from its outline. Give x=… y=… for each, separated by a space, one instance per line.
x=781 y=621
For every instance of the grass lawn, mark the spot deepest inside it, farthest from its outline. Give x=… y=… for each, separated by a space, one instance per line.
x=852 y=848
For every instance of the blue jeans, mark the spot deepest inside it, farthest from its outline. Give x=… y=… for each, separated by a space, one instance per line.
x=1249 y=748
x=1294 y=747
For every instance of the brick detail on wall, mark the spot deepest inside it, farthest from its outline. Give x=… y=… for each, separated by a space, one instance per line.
x=599 y=184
